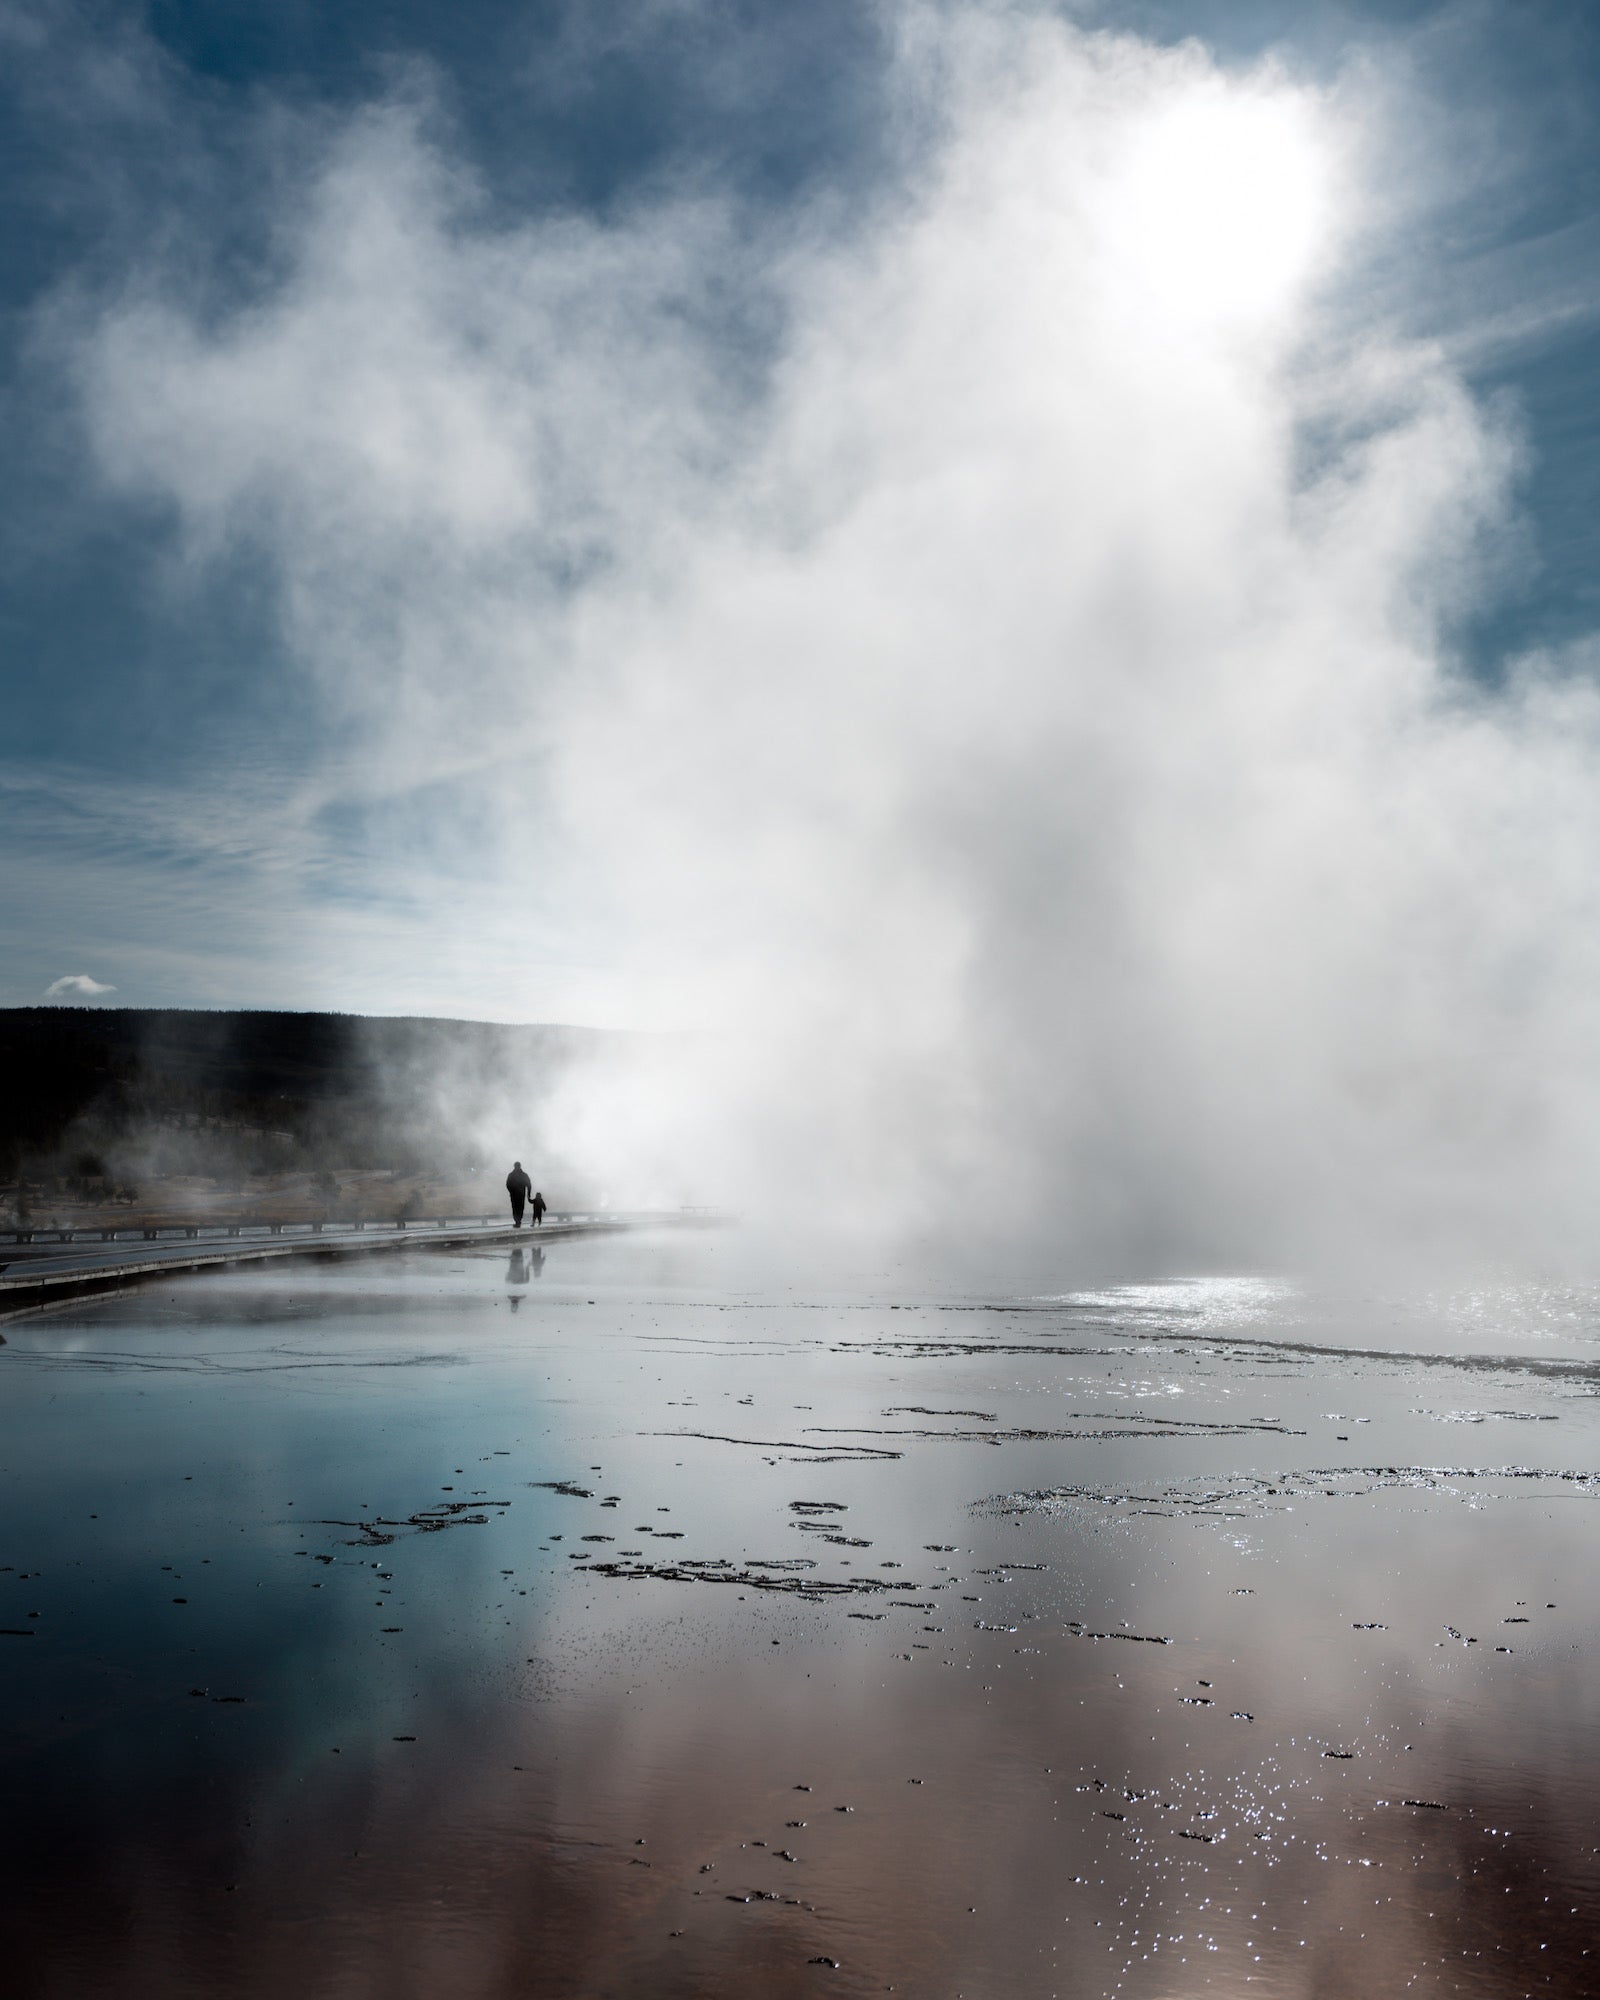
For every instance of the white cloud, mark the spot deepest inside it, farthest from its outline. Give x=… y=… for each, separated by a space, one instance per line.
x=1064 y=811
x=76 y=986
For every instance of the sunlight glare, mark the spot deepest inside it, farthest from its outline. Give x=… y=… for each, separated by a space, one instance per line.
x=1222 y=204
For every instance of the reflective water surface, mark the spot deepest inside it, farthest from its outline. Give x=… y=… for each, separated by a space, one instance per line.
x=615 y=1622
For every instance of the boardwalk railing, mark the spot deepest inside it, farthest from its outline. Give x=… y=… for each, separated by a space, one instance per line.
x=156 y=1232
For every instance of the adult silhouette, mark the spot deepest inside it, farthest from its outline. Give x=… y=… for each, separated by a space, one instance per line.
x=519 y=1187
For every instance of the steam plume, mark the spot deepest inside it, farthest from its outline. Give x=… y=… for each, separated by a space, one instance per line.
x=77 y=986
x=924 y=653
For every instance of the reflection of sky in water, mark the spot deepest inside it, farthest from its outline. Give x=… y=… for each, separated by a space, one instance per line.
x=330 y=1689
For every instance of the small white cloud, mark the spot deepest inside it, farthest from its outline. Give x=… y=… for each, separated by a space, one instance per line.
x=76 y=985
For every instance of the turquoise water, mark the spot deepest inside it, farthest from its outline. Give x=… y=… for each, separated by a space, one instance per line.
x=666 y=1621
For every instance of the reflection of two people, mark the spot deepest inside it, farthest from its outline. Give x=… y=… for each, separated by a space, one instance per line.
x=524 y=1264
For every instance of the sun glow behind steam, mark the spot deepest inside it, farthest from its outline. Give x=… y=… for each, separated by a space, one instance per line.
x=1221 y=205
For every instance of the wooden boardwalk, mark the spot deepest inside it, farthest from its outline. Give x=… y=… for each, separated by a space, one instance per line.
x=43 y=1268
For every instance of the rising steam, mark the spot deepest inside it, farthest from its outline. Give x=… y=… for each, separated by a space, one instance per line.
x=977 y=664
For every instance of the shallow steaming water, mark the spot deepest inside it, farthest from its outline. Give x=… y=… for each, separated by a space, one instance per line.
x=636 y=1627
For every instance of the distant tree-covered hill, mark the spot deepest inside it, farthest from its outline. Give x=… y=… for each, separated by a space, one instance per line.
x=116 y=1091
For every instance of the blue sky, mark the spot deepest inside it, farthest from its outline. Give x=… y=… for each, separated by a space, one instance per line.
x=159 y=708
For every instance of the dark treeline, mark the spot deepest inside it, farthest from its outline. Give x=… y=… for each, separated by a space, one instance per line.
x=109 y=1091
